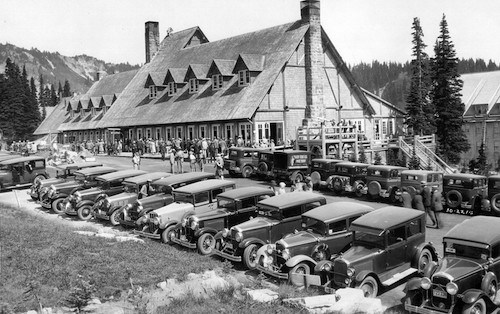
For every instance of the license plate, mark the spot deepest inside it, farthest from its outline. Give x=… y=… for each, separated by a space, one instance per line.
x=439 y=293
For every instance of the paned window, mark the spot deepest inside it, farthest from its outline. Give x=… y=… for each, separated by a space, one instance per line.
x=153 y=91
x=217 y=82
x=193 y=86
x=172 y=88
x=243 y=77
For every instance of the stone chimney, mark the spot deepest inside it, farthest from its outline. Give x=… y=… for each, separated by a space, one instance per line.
x=152 y=40
x=99 y=75
x=314 y=63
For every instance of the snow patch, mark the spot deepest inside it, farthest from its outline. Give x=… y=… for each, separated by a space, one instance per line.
x=51 y=64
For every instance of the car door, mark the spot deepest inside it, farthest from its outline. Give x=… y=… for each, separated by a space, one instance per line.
x=396 y=246
x=245 y=208
x=291 y=221
x=338 y=237
x=115 y=187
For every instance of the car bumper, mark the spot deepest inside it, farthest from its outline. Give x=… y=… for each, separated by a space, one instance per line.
x=182 y=240
x=46 y=204
x=128 y=223
x=272 y=272
x=100 y=214
x=146 y=234
x=421 y=310
x=227 y=256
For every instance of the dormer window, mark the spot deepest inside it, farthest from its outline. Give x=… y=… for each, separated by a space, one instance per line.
x=72 y=114
x=243 y=77
x=193 y=86
x=104 y=109
x=92 y=112
x=82 y=113
x=217 y=82
x=153 y=91
x=172 y=88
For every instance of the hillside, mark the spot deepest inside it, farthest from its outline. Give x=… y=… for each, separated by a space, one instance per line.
x=79 y=70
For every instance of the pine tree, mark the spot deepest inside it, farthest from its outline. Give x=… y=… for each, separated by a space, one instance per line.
x=53 y=96
x=420 y=113
x=67 y=89
x=446 y=97
x=377 y=160
x=414 y=162
x=60 y=90
x=362 y=155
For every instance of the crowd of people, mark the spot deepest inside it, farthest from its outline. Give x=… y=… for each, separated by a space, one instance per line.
x=427 y=199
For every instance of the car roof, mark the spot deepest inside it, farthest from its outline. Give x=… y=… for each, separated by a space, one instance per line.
x=419 y=172
x=387 y=217
x=481 y=229
x=291 y=199
x=327 y=160
x=183 y=177
x=352 y=164
x=22 y=159
x=143 y=178
x=293 y=151
x=386 y=167
x=338 y=210
x=7 y=157
x=463 y=176
x=80 y=165
x=252 y=149
x=95 y=170
x=121 y=174
x=202 y=186
x=495 y=177
x=246 y=192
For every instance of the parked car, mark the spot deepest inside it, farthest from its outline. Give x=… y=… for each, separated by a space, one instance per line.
x=414 y=179
x=80 y=202
x=266 y=164
x=494 y=193
x=277 y=216
x=349 y=177
x=133 y=211
x=290 y=165
x=233 y=207
x=383 y=181
x=321 y=170
x=9 y=156
x=21 y=171
x=242 y=160
x=388 y=247
x=194 y=198
x=63 y=173
x=466 y=279
x=52 y=197
x=136 y=186
x=466 y=193
x=325 y=234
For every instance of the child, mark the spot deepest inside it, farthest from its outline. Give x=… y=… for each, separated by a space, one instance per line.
x=192 y=161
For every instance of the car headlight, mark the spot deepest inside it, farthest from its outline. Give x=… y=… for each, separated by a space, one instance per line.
x=155 y=221
x=452 y=288
x=238 y=237
x=140 y=208
x=78 y=198
x=184 y=222
x=285 y=254
x=269 y=249
x=350 y=272
x=106 y=203
x=326 y=267
x=194 y=223
x=225 y=232
x=425 y=283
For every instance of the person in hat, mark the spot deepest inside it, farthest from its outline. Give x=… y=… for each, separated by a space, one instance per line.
x=406 y=197
x=219 y=167
x=436 y=206
x=427 y=199
x=172 y=160
x=192 y=160
x=281 y=189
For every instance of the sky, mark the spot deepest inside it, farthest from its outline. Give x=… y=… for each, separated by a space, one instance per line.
x=361 y=30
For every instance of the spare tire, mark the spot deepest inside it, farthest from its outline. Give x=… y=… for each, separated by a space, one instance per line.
x=263 y=169
x=453 y=199
x=495 y=204
x=315 y=178
x=374 y=188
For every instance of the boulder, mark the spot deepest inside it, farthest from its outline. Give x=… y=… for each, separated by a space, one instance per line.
x=262 y=295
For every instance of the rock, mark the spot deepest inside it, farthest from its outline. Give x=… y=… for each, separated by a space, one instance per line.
x=172 y=281
x=125 y=238
x=269 y=285
x=86 y=233
x=353 y=301
x=313 y=303
x=104 y=308
x=192 y=276
x=105 y=235
x=95 y=301
x=162 y=285
x=214 y=283
x=32 y=312
x=262 y=295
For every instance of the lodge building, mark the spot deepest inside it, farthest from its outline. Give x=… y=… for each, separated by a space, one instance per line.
x=263 y=84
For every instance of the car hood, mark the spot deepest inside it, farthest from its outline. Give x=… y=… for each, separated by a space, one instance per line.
x=358 y=254
x=457 y=267
x=218 y=213
x=153 y=198
x=256 y=223
x=66 y=185
x=300 y=238
x=90 y=191
x=121 y=197
x=174 y=210
x=48 y=182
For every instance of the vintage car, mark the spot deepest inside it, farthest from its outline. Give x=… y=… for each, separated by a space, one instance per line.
x=415 y=180
x=52 y=197
x=242 y=160
x=195 y=198
x=321 y=170
x=108 y=207
x=383 y=181
x=233 y=207
x=466 y=193
x=266 y=164
x=494 y=193
x=291 y=165
x=349 y=177
x=80 y=202
x=277 y=216
x=63 y=173
x=9 y=156
x=466 y=279
x=22 y=171
x=325 y=233
x=133 y=211
x=388 y=247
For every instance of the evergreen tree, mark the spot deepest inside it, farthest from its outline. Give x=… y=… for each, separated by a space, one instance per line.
x=60 y=90
x=420 y=115
x=446 y=97
x=362 y=155
x=67 y=89
x=53 y=96
x=414 y=162
x=377 y=159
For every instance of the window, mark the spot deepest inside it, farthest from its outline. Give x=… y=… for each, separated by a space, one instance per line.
x=193 y=86
x=179 y=132
x=203 y=131
x=190 y=132
x=338 y=226
x=153 y=91
x=168 y=132
x=92 y=112
x=158 y=133
x=248 y=202
x=229 y=131
x=130 y=134
x=216 y=192
x=217 y=82
x=172 y=88
x=243 y=77
x=148 y=133
x=413 y=228
x=215 y=131
x=139 y=133
x=292 y=212
x=384 y=127
x=246 y=132
x=396 y=235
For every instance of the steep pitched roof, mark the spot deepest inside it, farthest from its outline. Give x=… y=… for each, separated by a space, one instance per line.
x=374 y=99
x=224 y=67
x=155 y=78
x=481 y=88
x=54 y=118
x=134 y=107
x=198 y=71
x=175 y=75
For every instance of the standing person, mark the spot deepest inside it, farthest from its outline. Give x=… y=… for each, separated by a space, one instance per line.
x=199 y=160
x=192 y=160
x=437 y=206
x=179 y=158
x=427 y=198
x=281 y=189
x=136 y=161
x=219 y=167
x=172 y=160
x=418 y=202
x=406 y=197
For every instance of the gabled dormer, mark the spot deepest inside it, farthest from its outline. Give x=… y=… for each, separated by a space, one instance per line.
x=72 y=108
x=196 y=76
x=220 y=71
x=247 y=67
x=94 y=105
x=174 y=80
x=196 y=39
x=154 y=82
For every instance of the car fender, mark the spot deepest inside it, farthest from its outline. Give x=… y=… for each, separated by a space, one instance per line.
x=486 y=279
x=358 y=278
x=321 y=264
x=249 y=241
x=218 y=235
x=420 y=248
x=60 y=195
x=170 y=223
x=298 y=259
x=85 y=202
x=202 y=231
x=412 y=284
x=472 y=295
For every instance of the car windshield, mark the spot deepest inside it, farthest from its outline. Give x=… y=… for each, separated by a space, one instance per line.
x=273 y=213
x=368 y=239
x=131 y=189
x=183 y=198
x=80 y=178
x=162 y=188
x=466 y=251
x=233 y=153
x=313 y=225
x=225 y=203
x=104 y=185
